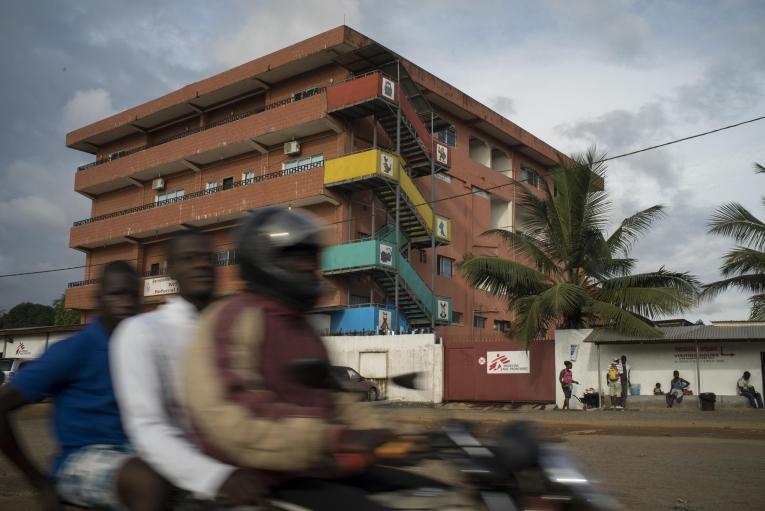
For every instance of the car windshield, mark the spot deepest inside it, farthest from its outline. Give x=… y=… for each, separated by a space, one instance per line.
x=6 y=364
x=354 y=375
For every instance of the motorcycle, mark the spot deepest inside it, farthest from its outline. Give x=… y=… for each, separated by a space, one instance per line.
x=512 y=470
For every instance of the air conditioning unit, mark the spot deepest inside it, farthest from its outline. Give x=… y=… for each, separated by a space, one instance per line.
x=292 y=147
x=158 y=184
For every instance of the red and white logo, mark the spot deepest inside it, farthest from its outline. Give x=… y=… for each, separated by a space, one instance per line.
x=21 y=349
x=499 y=361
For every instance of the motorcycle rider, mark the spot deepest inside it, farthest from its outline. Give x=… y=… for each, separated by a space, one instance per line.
x=244 y=405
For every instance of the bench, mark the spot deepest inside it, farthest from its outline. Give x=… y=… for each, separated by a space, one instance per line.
x=689 y=402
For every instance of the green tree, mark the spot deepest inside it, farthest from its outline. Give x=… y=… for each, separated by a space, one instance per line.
x=575 y=276
x=28 y=314
x=63 y=316
x=744 y=266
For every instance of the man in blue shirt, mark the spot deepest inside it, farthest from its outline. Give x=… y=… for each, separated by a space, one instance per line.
x=93 y=467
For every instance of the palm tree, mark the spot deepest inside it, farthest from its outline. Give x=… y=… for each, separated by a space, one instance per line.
x=744 y=266
x=579 y=277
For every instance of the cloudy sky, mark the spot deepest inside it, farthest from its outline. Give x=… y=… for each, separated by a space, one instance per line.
x=623 y=75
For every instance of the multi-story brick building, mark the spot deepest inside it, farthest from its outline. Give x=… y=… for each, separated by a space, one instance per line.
x=317 y=125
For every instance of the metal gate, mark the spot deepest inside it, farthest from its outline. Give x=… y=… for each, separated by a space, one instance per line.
x=467 y=376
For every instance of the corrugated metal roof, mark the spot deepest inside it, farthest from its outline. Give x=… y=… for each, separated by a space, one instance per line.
x=684 y=334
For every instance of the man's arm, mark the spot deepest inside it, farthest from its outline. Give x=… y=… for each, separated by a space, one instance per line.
x=41 y=378
x=158 y=440
x=11 y=399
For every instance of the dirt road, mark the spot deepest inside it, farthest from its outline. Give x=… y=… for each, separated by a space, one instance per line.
x=649 y=460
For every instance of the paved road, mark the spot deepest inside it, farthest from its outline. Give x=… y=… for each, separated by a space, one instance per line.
x=649 y=460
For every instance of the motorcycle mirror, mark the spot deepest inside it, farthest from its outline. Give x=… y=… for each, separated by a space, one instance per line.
x=313 y=373
x=407 y=380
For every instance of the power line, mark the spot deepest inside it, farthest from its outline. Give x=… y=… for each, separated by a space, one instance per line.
x=471 y=192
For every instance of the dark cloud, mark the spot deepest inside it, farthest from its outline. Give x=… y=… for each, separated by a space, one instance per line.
x=67 y=65
x=725 y=89
x=503 y=105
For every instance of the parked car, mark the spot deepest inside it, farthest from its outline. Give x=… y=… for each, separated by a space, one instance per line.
x=10 y=366
x=354 y=382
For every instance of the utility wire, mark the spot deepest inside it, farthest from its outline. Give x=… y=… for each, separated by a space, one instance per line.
x=471 y=192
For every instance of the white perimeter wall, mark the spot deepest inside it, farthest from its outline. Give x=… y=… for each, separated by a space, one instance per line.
x=721 y=364
x=391 y=355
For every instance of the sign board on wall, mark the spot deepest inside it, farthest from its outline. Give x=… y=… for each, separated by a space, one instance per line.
x=387 y=165
x=384 y=320
x=25 y=349
x=388 y=89
x=386 y=254
x=442 y=228
x=158 y=286
x=444 y=314
x=508 y=362
x=707 y=354
x=442 y=154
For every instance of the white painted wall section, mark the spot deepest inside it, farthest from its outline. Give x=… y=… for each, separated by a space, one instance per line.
x=721 y=364
x=391 y=355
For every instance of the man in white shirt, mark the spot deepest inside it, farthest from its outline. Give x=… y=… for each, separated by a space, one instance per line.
x=145 y=356
x=747 y=390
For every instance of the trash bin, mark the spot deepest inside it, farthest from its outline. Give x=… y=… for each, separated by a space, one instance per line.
x=635 y=389
x=591 y=400
x=708 y=401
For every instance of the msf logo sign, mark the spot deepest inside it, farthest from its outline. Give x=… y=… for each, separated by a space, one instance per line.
x=21 y=349
x=498 y=363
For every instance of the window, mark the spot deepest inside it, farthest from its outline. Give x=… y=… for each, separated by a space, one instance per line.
x=443 y=176
x=457 y=317
x=306 y=93
x=445 y=266
x=228 y=183
x=154 y=270
x=361 y=235
x=169 y=196
x=479 y=193
x=211 y=185
x=479 y=322
x=423 y=256
x=298 y=165
x=248 y=177
x=501 y=325
x=531 y=177
x=448 y=136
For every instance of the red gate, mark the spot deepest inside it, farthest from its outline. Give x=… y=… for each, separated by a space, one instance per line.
x=466 y=377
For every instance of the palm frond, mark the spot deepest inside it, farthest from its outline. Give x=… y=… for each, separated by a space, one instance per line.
x=734 y=221
x=759 y=169
x=743 y=260
x=501 y=277
x=529 y=246
x=616 y=318
x=748 y=283
x=662 y=277
x=631 y=228
x=648 y=302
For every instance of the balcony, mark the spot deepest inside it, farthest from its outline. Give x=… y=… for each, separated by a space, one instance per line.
x=376 y=257
x=377 y=94
x=239 y=134
x=300 y=186
x=380 y=171
x=81 y=295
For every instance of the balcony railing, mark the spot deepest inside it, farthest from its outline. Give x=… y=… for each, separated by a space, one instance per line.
x=222 y=258
x=233 y=118
x=200 y=193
